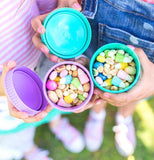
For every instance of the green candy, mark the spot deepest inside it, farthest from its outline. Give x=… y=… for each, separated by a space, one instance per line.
x=106 y=53
x=119 y=57
x=95 y=72
x=81 y=97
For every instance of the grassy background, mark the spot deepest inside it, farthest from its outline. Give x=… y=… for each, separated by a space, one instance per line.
x=144 y=124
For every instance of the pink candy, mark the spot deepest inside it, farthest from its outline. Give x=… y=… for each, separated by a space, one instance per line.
x=63 y=73
x=123 y=75
x=51 y=85
x=82 y=76
x=53 y=75
x=62 y=103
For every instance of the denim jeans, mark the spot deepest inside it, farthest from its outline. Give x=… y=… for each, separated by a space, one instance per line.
x=120 y=21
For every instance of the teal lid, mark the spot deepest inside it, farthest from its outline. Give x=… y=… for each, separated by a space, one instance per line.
x=68 y=33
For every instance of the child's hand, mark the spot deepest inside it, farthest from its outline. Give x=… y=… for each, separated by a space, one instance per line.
x=39 y=28
x=143 y=89
x=95 y=100
x=12 y=110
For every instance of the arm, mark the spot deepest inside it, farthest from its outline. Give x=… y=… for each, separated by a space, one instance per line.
x=12 y=110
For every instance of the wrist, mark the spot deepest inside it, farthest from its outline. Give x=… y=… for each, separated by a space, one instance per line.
x=2 y=91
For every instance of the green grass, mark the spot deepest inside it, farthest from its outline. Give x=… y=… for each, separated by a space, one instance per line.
x=144 y=124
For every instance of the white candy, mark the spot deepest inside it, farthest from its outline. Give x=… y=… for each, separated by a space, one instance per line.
x=99 y=80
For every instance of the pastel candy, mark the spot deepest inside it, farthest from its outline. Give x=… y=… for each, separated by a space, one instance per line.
x=97 y=64
x=51 y=85
x=100 y=59
x=63 y=73
x=123 y=75
x=76 y=83
x=82 y=76
x=99 y=80
x=106 y=53
x=53 y=75
x=122 y=58
x=81 y=97
x=66 y=80
x=130 y=70
x=62 y=103
x=102 y=54
x=85 y=94
x=103 y=77
x=119 y=57
x=69 y=99
x=116 y=81
x=120 y=51
x=95 y=72
x=107 y=82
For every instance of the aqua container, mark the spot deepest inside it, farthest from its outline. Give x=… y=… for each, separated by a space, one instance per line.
x=68 y=33
x=116 y=46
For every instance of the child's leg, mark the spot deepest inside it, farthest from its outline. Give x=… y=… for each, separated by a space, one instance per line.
x=13 y=146
x=124 y=130
x=70 y=136
x=93 y=132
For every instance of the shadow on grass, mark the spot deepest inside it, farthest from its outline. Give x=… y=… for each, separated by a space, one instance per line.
x=45 y=139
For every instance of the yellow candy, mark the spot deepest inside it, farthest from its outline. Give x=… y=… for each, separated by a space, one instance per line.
x=57 y=79
x=69 y=99
x=100 y=59
x=123 y=65
x=108 y=82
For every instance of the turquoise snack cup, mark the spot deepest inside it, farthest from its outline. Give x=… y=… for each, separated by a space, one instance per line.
x=68 y=33
x=116 y=46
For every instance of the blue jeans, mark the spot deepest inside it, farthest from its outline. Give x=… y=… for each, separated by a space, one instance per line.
x=122 y=21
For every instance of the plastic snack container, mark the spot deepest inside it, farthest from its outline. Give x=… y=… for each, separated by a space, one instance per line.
x=116 y=46
x=68 y=33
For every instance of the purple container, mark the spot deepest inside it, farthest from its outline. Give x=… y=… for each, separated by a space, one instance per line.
x=73 y=108
x=25 y=90
x=27 y=93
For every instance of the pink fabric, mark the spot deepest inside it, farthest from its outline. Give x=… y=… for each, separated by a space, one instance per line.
x=149 y=1
x=16 y=31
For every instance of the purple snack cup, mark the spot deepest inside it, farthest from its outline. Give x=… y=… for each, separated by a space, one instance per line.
x=25 y=90
x=73 y=108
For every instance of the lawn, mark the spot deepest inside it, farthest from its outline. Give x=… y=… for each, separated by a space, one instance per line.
x=144 y=124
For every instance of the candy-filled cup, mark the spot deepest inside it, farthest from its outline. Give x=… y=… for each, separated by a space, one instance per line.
x=114 y=46
x=67 y=108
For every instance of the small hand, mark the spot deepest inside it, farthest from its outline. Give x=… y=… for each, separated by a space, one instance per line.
x=143 y=89
x=39 y=28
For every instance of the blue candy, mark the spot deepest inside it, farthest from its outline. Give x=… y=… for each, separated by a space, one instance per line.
x=116 y=81
x=102 y=76
x=98 y=64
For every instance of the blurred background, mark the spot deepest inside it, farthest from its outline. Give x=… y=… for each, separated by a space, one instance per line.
x=144 y=124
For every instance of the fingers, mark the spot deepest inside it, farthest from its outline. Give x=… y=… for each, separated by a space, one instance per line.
x=39 y=116
x=71 y=3
x=74 y=4
x=15 y=113
x=38 y=43
x=8 y=66
x=114 y=99
x=37 y=24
